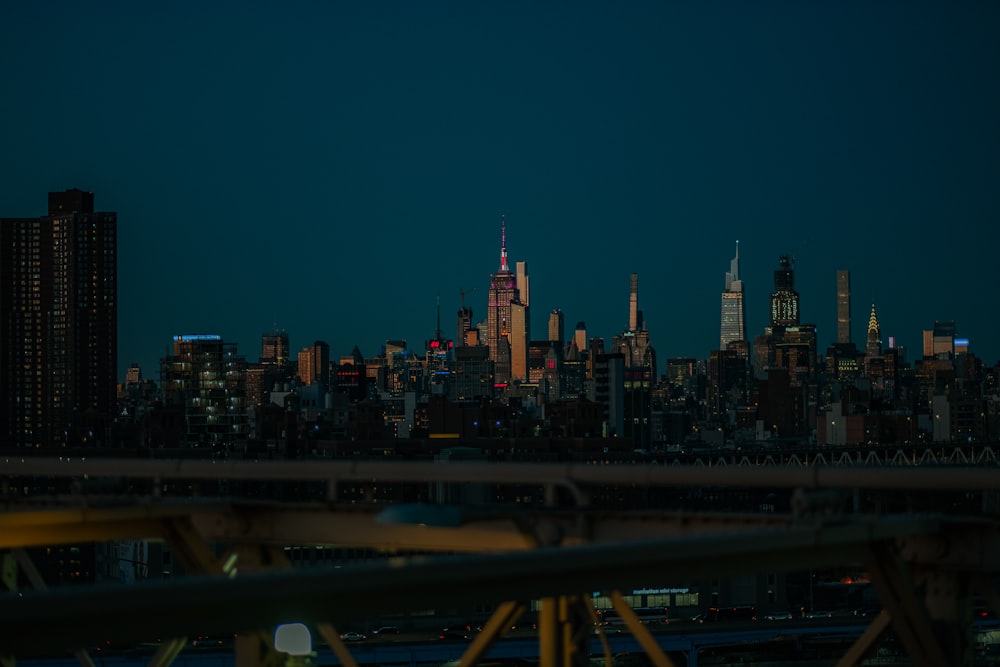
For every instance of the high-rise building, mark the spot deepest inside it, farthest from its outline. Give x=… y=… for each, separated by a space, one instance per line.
x=274 y=348
x=503 y=292
x=843 y=306
x=874 y=344
x=523 y=283
x=464 y=325
x=940 y=341
x=519 y=314
x=633 y=302
x=314 y=364
x=784 y=298
x=580 y=336
x=207 y=378
x=58 y=324
x=609 y=383
x=639 y=370
x=557 y=326
x=734 y=319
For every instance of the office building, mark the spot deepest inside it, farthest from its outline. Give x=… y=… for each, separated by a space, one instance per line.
x=609 y=385
x=523 y=283
x=633 y=302
x=734 y=319
x=503 y=292
x=314 y=364
x=843 y=307
x=464 y=324
x=940 y=341
x=274 y=348
x=557 y=326
x=519 y=314
x=472 y=374
x=59 y=324
x=726 y=381
x=639 y=372
x=580 y=336
x=784 y=298
x=794 y=348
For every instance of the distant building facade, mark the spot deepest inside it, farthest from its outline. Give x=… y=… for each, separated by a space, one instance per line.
x=58 y=324
x=207 y=379
x=500 y=332
x=734 y=319
x=314 y=364
x=843 y=307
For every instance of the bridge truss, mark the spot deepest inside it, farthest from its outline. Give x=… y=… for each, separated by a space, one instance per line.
x=926 y=567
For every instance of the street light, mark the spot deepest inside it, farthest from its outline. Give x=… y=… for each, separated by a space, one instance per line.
x=293 y=639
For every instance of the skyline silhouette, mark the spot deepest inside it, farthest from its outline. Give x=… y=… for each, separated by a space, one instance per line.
x=335 y=170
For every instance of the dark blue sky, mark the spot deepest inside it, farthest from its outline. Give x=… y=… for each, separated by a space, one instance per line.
x=333 y=167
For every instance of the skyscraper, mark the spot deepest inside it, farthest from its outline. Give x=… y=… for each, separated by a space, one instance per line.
x=874 y=343
x=464 y=324
x=274 y=348
x=314 y=364
x=523 y=283
x=557 y=326
x=639 y=367
x=58 y=324
x=580 y=336
x=734 y=319
x=519 y=314
x=843 y=306
x=503 y=292
x=940 y=341
x=784 y=298
x=633 y=302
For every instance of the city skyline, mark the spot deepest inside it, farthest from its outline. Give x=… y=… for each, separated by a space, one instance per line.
x=335 y=170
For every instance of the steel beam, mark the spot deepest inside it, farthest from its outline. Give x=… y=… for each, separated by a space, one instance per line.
x=566 y=475
x=907 y=611
x=219 y=604
x=640 y=632
x=498 y=625
x=866 y=642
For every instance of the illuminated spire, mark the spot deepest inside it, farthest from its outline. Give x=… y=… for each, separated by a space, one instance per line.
x=503 y=245
x=873 y=322
x=874 y=347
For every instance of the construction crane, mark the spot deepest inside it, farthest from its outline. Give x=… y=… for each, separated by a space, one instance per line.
x=462 y=294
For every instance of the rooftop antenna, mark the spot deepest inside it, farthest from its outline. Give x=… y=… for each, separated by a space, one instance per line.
x=504 y=268
x=437 y=332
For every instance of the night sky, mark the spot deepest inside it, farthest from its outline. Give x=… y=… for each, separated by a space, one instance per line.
x=334 y=168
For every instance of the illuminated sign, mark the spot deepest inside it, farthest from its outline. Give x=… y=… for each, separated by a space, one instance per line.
x=961 y=342
x=190 y=337
x=660 y=591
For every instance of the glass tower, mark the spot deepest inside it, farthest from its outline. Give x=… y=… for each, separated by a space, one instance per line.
x=734 y=319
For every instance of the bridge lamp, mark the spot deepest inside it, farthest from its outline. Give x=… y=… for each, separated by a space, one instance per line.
x=293 y=639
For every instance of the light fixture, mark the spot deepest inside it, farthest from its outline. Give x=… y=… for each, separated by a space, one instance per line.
x=293 y=639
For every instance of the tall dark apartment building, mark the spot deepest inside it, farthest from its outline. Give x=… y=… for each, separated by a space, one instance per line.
x=58 y=324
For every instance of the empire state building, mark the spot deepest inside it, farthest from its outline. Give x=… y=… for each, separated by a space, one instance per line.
x=504 y=302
